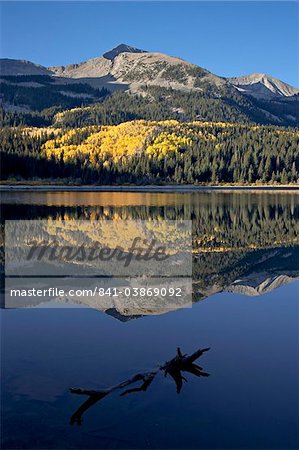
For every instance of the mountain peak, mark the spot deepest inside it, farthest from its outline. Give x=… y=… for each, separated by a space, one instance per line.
x=121 y=48
x=263 y=86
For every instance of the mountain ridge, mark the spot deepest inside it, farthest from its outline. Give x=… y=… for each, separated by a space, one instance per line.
x=168 y=86
x=261 y=85
x=19 y=67
x=129 y=65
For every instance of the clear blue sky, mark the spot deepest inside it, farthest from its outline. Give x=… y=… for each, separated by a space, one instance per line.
x=227 y=38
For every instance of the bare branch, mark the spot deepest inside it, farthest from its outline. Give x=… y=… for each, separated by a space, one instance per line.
x=174 y=367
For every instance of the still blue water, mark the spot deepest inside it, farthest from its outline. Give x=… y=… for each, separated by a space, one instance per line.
x=249 y=401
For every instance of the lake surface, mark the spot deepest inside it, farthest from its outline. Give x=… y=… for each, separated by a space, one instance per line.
x=245 y=309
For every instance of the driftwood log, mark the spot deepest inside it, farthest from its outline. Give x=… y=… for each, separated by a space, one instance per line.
x=174 y=368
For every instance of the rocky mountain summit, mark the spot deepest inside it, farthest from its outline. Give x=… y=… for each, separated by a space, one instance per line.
x=122 y=48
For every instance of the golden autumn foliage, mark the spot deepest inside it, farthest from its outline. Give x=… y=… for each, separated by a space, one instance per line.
x=114 y=142
x=43 y=131
x=167 y=142
x=143 y=152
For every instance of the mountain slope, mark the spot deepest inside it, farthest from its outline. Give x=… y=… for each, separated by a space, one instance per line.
x=16 y=67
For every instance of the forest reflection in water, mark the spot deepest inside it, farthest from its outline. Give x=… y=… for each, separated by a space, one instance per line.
x=220 y=221
x=242 y=242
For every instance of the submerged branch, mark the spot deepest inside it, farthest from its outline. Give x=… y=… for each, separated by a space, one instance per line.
x=174 y=367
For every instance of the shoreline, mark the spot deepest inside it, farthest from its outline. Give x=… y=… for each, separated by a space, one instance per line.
x=142 y=188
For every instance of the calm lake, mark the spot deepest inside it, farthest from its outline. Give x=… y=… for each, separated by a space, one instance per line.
x=245 y=310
